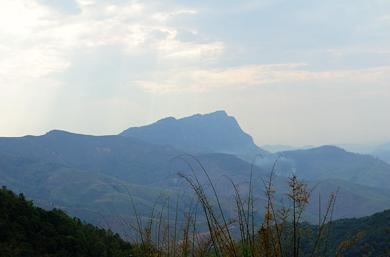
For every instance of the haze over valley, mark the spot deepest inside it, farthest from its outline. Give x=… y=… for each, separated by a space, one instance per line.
x=89 y=176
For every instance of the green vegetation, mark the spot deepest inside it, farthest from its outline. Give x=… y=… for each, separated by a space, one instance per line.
x=282 y=232
x=26 y=230
x=29 y=231
x=371 y=235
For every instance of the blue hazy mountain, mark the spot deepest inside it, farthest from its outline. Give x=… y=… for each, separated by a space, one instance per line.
x=331 y=162
x=89 y=175
x=382 y=152
x=125 y=158
x=92 y=176
x=213 y=132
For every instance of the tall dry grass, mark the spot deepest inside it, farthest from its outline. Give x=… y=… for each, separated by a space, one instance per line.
x=281 y=232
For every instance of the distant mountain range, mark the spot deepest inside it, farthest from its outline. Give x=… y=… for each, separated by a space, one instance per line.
x=213 y=132
x=92 y=176
x=330 y=162
x=382 y=152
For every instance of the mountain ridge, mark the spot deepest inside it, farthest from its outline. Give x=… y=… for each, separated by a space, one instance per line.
x=77 y=170
x=330 y=161
x=211 y=132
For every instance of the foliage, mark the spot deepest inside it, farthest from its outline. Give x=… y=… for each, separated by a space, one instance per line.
x=282 y=232
x=370 y=236
x=29 y=231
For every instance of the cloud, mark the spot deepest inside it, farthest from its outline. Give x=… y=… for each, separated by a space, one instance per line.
x=257 y=75
x=125 y=58
x=385 y=19
x=36 y=41
x=359 y=50
x=172 y=48
x=54 y=55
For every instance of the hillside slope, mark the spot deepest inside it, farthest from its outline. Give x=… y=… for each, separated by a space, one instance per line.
x=383 y=152
x=92 y=177
x=368 y=236
x=26 y=230
x=330 y=162
x=125 y=158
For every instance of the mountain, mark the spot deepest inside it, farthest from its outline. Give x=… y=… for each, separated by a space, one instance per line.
x=367 y=236
x=86 y=194
x=213 y=132
x=330 y=162
x=93 y=177
x=382 y=152
x=26 y=230
x=124 y=158
x=359 y=148
x=353 y=200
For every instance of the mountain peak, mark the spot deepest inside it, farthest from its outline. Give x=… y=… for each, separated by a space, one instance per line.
x=219 y=113
x=211 y=132
x=57 y=132
x=220 y=116
x=329 y=149
x=167 y=119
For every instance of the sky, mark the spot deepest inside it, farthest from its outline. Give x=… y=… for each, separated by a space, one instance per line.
x=302 y=72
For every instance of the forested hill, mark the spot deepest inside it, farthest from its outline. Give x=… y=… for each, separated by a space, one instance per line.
x=367 y=236
x=29 y=231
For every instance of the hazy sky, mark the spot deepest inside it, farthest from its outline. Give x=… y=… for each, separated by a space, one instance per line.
x=291 y=71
